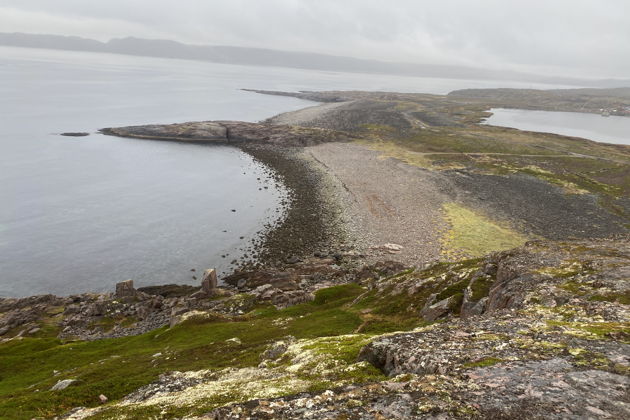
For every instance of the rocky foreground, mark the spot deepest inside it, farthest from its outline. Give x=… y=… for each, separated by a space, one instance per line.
x=536 y=332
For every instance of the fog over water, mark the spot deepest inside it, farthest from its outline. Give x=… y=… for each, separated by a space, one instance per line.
x=578 y=38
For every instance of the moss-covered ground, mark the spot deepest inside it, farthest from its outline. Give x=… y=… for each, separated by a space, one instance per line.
x=29 y=367
x=473 y=235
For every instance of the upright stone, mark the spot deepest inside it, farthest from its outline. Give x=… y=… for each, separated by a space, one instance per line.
x=125 y=289
x=209 y=281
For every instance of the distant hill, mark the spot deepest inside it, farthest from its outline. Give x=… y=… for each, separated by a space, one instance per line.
x=293 y=59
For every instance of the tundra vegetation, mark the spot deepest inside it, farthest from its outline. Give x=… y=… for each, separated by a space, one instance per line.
x=435 y=330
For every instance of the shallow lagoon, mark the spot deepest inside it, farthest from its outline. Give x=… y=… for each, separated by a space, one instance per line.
x=613 y=129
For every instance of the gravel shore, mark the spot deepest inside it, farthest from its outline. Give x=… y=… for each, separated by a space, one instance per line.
x=386 y=202
x=314 y=221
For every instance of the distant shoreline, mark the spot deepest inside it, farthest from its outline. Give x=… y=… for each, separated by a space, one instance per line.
x=288 y=59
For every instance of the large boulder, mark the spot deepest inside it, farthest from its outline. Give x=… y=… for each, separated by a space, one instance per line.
x=433 y=311
x=125 y=289
x=209 y=281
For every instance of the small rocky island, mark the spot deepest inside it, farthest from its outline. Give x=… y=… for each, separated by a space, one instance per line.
x=427 y=267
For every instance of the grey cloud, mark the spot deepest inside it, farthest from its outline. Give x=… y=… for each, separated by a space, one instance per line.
x=586 y=38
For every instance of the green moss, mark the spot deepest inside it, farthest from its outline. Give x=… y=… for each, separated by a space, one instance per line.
x=344 y=348
x=489 y=361
x=455 y=305
x=622 y=297
x=387 y=304
x=568 y=269
x=619 y=331
x=395 y=305
x=115 y=367
x=337 y=293
x=480 y=288
x=574 y=287
x=593 y=360
x=453 y=289
x=474 y=235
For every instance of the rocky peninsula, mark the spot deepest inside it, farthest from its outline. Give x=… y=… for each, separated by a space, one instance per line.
x=427 y=267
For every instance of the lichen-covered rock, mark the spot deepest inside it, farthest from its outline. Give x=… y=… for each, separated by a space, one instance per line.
x=464 y=344
x=199 y=131
x=548 y=389
x=290 y=366
x=277 y=349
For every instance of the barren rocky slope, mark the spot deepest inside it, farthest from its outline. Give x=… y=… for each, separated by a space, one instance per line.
x=537 y=332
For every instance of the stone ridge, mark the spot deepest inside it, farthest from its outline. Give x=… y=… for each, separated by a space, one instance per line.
x=230 y=131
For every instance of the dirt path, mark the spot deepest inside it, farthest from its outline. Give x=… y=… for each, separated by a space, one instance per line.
x=386 y=201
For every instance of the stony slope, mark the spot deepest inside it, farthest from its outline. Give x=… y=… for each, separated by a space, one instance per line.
x=541 y=330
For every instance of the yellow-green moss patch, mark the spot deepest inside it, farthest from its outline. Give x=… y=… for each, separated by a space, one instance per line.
x=473 y=235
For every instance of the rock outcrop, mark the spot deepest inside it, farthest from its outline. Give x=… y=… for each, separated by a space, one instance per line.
x=125 y=289
x=131 y=311
x=231 y=131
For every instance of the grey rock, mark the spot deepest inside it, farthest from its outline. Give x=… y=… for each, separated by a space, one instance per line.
x=63 y=384
x=97 y=308
x=75 y=134
x=209 y=281
x=125 y=289
x=439 y=309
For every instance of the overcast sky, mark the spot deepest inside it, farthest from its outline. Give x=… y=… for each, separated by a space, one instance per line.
x=586 y=38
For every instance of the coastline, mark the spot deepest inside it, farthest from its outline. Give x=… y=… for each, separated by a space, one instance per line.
x=357 y=190
x=314 y=222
